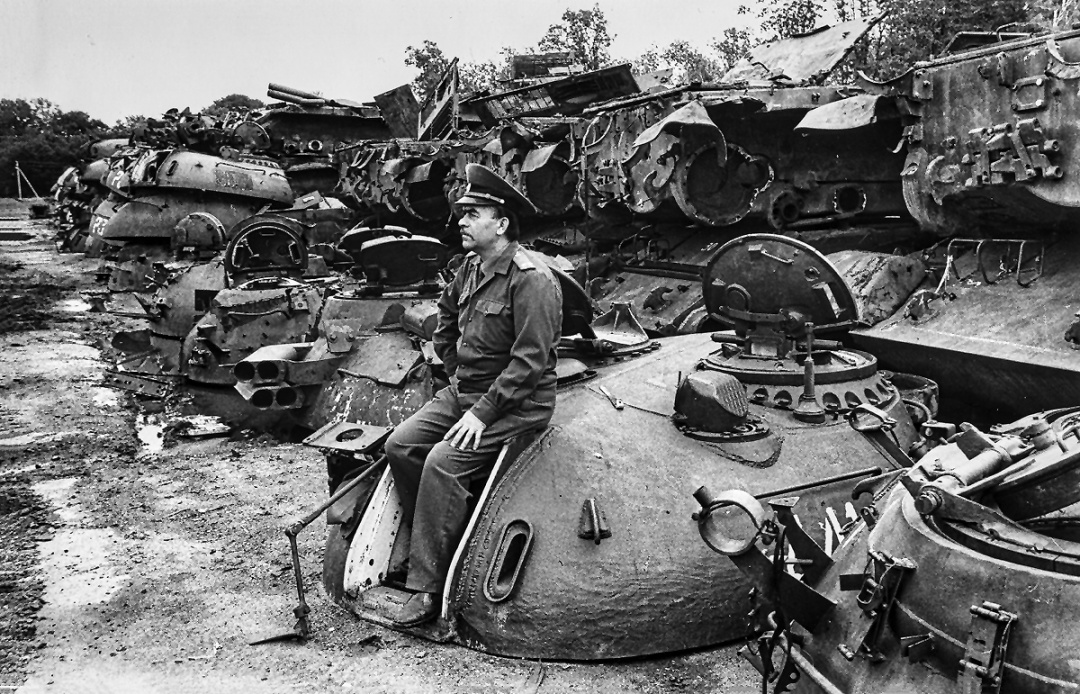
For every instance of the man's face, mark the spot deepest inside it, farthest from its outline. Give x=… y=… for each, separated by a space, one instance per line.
x=480 y=228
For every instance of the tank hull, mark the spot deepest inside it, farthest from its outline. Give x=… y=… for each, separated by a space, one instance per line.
x=153 y=218
x=1002 y=344
x=993 y=145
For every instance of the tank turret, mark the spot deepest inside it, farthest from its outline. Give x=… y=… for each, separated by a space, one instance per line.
x=365 y=362
x=154 y=191
x=951 y=581
x=577 y=546
x=268 y=299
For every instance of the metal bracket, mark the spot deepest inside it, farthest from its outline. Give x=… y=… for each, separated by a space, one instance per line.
x=1029 y=93
x=880 y=584
x=984 y=657
x=349 y=438
x=878 y=428
x=916 y=648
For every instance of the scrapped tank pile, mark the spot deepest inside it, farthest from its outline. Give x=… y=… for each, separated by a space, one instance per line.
x=765 y=281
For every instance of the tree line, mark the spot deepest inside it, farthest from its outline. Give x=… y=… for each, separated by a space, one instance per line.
x=45 y=140
x=910 y=31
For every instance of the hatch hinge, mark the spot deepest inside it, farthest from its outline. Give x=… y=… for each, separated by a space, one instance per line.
x=984 y=656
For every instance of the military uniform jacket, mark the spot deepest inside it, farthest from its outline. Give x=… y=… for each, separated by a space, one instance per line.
x=499 y=327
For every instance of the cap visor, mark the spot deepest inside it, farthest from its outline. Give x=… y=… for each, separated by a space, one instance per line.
x=474 y=201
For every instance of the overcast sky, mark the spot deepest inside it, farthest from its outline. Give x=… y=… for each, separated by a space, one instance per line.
x=113 y=58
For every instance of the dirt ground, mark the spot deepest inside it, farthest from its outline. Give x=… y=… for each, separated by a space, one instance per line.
x=126 y=566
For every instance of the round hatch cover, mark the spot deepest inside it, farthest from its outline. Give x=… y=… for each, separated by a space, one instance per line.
x=771 y=279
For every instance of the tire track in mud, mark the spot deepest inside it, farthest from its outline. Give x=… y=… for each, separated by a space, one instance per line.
x=43 y=435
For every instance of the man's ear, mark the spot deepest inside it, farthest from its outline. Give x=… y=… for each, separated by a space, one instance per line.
x=504 y=224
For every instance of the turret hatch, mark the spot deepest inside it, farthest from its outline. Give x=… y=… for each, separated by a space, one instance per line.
x=766 y=281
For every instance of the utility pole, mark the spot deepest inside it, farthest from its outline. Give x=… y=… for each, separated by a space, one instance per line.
x=19 y=178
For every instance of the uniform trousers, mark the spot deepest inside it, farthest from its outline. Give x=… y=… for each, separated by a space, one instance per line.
x=433 y=478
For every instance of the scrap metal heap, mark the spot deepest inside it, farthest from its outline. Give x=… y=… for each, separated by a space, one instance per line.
x=951 y=581
x=230 y=167
x=639 y=190
x=641 y=195
x=753 y=144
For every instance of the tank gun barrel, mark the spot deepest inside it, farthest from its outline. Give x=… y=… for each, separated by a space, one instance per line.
x=293 y=99
x=281 y=88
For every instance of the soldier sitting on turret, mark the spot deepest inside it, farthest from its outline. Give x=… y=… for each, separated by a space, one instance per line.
x=499 y=325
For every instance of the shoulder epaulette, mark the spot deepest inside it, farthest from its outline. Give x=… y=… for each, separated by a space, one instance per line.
x=523 y=261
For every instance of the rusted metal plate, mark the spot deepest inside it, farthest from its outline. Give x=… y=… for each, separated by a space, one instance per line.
x=187 y=295
x=804 y=58
x=880 y=282
x=386 y=358
x=399 y=109
x=850 y=113
x=661 y=285
x=992 y=142
x=365 y=400
x=325 y=128
x=567 y=96
x=138 y=383
x=438 y=114
x=692 y=115
x=348 y=437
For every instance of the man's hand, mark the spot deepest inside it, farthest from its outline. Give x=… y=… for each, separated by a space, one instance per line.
x=468 y=428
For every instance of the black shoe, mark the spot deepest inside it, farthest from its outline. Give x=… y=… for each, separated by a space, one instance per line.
x=418 y=609
x=397 y=576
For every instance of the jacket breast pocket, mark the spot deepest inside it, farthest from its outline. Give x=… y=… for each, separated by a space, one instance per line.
x=490 y=308
x=492 y=327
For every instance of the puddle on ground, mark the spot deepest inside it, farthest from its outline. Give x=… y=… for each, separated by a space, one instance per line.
x=106 y=398
x=150 y=430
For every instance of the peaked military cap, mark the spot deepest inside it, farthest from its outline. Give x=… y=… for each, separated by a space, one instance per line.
x=487 y=188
